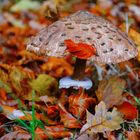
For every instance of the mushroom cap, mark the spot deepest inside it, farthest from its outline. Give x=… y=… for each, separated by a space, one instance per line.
x=112 y=45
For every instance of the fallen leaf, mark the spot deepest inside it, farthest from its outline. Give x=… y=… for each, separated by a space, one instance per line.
x=102 y=121
x=132 y=135
x=52 y=111
x=129 y=111
x=135 y=37
x=87 y=137
x=44 y=85
x=4 y=84
x=19 y=79
x=80 y=50
x=110 y=91
x=3 y=94
x=12 y=113
x=57 y=67
x=23 y=5
x=110 y=136
x=67 y=119
x=19 y=134
x=79 y=103
x=52 y=132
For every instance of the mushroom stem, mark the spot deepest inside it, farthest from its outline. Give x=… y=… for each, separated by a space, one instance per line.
x=79 y=69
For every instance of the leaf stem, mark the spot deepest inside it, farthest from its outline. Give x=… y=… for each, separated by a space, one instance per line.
x=88 y=129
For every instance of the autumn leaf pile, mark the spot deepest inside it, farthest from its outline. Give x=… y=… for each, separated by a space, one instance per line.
x=31 y=104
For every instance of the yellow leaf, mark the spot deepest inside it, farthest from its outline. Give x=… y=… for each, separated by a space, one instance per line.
x=103 y=120
x=44 y=85
x=136 y=37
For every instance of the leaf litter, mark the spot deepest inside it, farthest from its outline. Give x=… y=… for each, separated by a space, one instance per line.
x=109 y=110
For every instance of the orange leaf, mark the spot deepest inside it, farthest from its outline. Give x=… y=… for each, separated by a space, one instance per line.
x=131 y=135
x=79 y=103
x=128 y=110
x=3 y=94
x=80 y=50
x=57 y=67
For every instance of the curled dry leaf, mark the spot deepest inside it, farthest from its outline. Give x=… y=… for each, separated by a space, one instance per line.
x=52 y=132
x=129 y=111
x=110 y=91
x=57 y=67
x=102 y=121
x=67 y=119
x=78 y=103
x=52 y=110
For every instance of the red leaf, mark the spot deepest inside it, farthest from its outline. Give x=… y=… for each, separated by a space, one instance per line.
x=80 y=50
x=128 y=110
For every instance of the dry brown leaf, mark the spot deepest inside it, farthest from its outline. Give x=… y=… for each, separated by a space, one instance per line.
x=68 y=120
x=102 y=121
x=52 y=132
x=110 y=91
x=131 y=135
x=19 y=134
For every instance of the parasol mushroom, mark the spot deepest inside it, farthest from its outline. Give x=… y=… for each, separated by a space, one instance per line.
x=111 y=44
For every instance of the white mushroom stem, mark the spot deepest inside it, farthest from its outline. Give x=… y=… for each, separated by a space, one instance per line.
x=79 y=69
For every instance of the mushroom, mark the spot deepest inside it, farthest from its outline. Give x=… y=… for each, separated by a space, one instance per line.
x=111 y=44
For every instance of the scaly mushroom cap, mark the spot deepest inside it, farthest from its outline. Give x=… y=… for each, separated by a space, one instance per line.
x=112 y=45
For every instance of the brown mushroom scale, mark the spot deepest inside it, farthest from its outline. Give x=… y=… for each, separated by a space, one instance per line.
x=112 y=45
